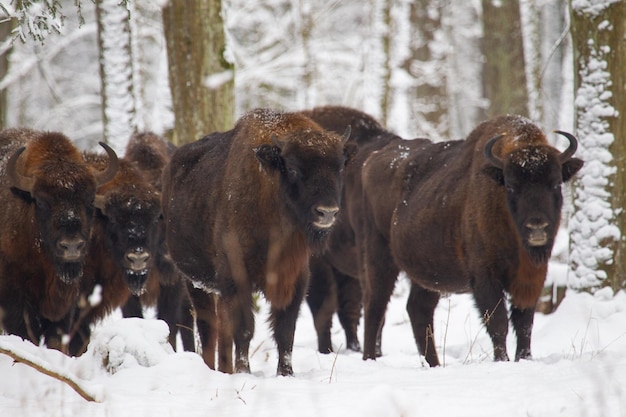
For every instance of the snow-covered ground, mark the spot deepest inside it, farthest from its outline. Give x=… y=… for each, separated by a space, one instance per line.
x=579 y=369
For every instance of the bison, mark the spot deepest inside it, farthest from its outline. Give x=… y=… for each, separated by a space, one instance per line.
x=244 y=209
x=165 y=287
x=47 y=191
x=334 y=279
x=476 y=215
x=123 y=247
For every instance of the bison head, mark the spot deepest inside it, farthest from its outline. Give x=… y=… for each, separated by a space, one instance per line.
x=309 y=165
x=63 y=192
x=532 y=176
x=130 y=216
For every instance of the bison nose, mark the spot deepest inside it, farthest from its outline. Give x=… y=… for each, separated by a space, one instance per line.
x=325 y=216
x=71 y=249
x=138 y=259
x=537 y=233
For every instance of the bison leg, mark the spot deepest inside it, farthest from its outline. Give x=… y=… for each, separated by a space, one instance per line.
x=421 y=308
x=243 y=328
x=349 y=300
x=379 y=281
x=174 y=307
x=207 y=322
x=283 y=323
x=492 y=305
x=322 y=301
x=522 y=320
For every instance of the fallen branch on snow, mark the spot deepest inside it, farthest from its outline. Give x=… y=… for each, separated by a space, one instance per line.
x=59 y=375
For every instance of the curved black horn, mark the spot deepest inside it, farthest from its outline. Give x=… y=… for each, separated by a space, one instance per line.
x=18 y=180
x=571 y=149
x=488 y=152
x=107 y=175
x=346 y=134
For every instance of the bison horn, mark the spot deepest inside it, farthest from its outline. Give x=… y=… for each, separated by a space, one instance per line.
x=107 y=175
x=571 y=149
x=18 y=180
x=346 y=134
x=488 y=151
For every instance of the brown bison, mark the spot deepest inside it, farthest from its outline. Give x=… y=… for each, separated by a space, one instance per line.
x=476 y=215
x=123 y=247
x=334 y=285
x=165 y=287
x=244 y=209
x=47 y=192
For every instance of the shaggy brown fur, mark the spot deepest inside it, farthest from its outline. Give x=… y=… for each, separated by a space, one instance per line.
x=455 y=221
x=335 y=283
x=244 y=209
x=165 y=288
x=123 y=246
x=45 y=222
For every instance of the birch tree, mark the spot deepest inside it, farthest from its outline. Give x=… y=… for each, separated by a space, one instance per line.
x=116 y=73
x=200 y=73
x=596 y=230
x=6 y=26
x=463 y=31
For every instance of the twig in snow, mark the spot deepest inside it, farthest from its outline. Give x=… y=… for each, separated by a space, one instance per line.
x=63 y=378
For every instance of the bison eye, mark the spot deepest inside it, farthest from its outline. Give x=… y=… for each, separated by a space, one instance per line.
x=42 y=204
x=292 y=174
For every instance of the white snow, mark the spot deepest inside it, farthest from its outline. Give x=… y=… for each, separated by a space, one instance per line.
x=579 y=369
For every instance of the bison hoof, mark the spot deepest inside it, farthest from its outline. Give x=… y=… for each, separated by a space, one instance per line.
x=242 y=367
x=524 y=354
x=284 y=371
x=354 y=346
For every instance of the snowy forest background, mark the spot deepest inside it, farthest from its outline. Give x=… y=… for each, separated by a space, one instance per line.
x=425 y=68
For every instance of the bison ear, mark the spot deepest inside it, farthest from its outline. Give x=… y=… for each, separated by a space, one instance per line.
x=349 y=152
x=495 y=173
x=570 y=168
x=269 y=156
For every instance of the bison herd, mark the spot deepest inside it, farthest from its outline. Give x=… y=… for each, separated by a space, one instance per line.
x=324 y=204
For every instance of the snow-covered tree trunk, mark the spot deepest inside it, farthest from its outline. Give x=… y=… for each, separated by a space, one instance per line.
x=5 y=37
x=466 y=105
x=374 y=61
x=596 y=230
x=383 y=21
x=418 y=52
x=116 y=72
x=504 y=74
x=201 y=75
x=306 y=95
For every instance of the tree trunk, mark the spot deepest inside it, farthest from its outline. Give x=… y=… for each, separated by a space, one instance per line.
x=427 y=66
x=201 y=78
x=385 y=102
x=504 y=72
x=5 y=34
x=597 y=247
x=466 y=103
x=116 y=71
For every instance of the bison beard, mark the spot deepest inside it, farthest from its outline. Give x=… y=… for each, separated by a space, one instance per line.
x=136 y=281
x=68 y=272
x=539 y=255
